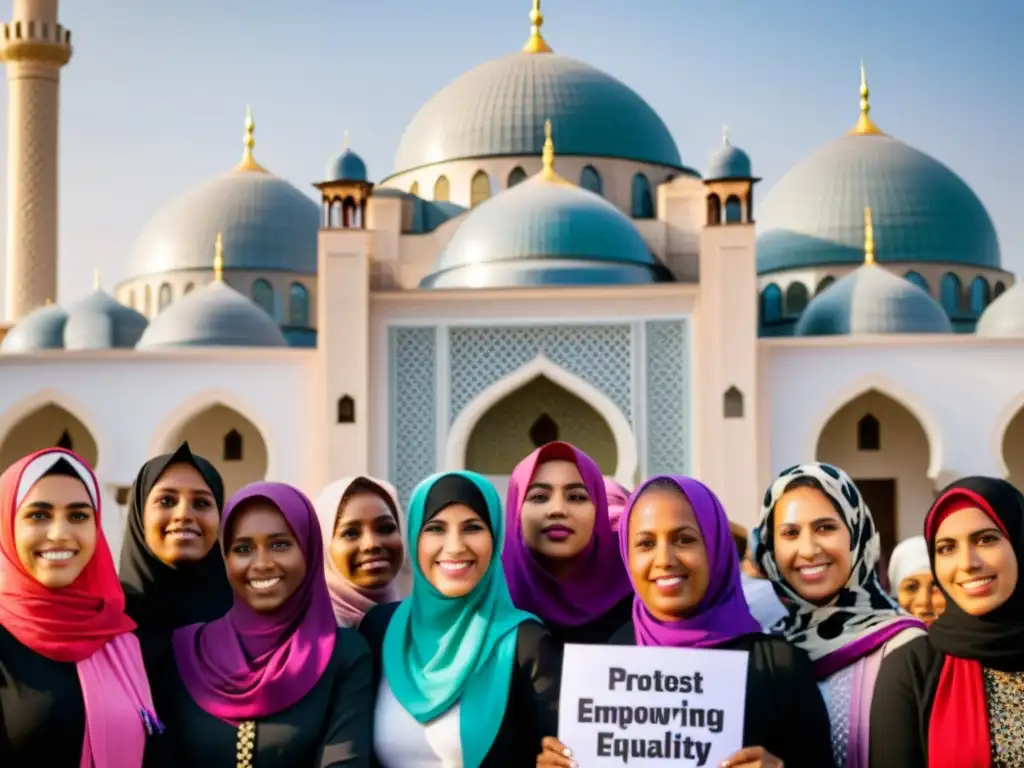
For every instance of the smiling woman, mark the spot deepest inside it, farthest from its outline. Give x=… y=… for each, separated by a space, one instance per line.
x=274 y=683
x=72 y=681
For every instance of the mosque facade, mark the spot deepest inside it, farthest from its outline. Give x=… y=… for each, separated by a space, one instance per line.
x=541 y=263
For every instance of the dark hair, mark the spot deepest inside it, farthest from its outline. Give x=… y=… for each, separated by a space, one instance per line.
x=365 y=485
x=63 y=468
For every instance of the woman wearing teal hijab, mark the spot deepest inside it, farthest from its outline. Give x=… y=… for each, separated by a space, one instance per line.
x=465 y=678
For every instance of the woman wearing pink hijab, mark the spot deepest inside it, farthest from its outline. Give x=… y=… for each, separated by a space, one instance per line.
x=364 y=558
x=617 y=498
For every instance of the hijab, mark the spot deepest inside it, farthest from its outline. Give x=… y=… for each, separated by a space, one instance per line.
x=722 y=613
x=163 y=597
x=910 y=556
x=351 y=602
x=617 y=497
x=247 y=665
x=598 y=583
x=862 y=616
x=439 y=651
x=83 y=623
x=958 y=728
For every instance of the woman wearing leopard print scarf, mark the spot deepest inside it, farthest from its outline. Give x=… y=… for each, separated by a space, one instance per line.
x=817 y=543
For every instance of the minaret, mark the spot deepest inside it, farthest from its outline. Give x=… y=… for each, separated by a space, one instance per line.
x=34 y=48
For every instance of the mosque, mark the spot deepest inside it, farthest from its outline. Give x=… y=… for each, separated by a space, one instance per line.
x=541 y=263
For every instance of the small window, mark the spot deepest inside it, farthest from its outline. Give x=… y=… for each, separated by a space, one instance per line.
x=796 y=299
x=414 y=188
x=346 y=410
x=869 y=434
x=442 y=190
x=825 y=283
x=233 y=446
x=163 y=299
x=122 y=495
x=543 y=431
x=263 y=296
x=714 y=210
x=590 y=180
x=732 y=404
x=65 y=442
x=479 y=189
x=516 y=176
x=189 y=287
x=733 y=210
x=298 y=305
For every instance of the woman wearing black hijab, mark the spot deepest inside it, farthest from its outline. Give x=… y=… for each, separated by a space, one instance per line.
x=172 y=570
x=955 y=698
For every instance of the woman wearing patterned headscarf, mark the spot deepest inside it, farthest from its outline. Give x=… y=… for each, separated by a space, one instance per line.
x=955 y=698
x=817 y=543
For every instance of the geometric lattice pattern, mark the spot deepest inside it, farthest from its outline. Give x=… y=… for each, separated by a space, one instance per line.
x=668 y=399
x=412 y=379
x=601 y=355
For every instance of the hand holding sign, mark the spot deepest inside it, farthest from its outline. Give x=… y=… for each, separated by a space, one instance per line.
x=554 y=754
x=649 y=706
x=753 y=757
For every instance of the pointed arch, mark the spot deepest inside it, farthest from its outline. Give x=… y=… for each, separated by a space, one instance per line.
x=894 y=392
x=25 y=408
x=1003 y=421
x=462 y=427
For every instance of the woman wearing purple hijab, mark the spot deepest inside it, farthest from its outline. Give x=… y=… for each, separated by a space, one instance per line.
x=675 y=540
x=275 y=683
x=561 y=558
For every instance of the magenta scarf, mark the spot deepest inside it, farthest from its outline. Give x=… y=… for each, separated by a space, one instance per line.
x=723 y=613
x=246 y=665
x=598 y=583
x=617 y=497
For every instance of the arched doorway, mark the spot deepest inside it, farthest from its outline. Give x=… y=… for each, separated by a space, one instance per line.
x=1013 y=449
x=537 y=412
x=885 y=449
x=229 y=440
x=48 y=426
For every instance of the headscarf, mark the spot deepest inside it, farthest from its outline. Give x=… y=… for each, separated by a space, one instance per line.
x=908 y=557
x=617 y=497
x=247 y=665
x=351 y=602
x=862 y=616
x=598 y=583
x=83 y=623
x=958 y=731
x=722 y=613
x=440 y=650
x=163 y=597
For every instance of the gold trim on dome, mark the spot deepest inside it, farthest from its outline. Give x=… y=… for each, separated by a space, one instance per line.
x=869 y=238
x=248 y=162
x=218 y=259
x=536 y=42
x=865 y=125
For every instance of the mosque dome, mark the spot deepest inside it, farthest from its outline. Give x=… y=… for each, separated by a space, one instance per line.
x=728 y=162
x=99 y=321
x=215 y=315
x=40 y=329
x=499 y=108
x=545 y=231
x=348 y=166
x=267 y=223
x=926 y=213
x=1004 y=317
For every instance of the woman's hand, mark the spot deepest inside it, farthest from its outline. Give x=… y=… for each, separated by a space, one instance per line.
x=749 y=757
x=554 y=754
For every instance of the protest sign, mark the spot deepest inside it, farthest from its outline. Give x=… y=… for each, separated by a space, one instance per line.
x=636 y=706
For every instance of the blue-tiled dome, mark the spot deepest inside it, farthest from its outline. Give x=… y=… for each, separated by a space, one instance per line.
x=348 y=166
x=872 y=300
x=728 y=162
x=42 y=328
x=924 y=212
x=215 y=315
x=545 y=232
x=267 y=223
x=100 y=322
x=1005 y=316
x=499 y=108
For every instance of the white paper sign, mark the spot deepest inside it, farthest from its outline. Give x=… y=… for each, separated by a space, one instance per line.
x=636 y=706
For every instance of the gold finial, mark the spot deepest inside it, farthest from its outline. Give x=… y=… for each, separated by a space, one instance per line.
x=536 y=42
x=346 y=142
x=548 y=156
x=869 y=238
x=248 y=162
x=865 y=125
x=96 y=279
x=725 y=135
x=218 y=259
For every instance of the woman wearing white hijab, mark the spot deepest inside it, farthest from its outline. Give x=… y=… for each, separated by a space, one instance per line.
x=911 y=580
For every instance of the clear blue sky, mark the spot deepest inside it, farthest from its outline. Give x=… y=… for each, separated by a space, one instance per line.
x=154 y=99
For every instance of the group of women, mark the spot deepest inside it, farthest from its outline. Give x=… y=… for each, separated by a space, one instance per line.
x=266 y=630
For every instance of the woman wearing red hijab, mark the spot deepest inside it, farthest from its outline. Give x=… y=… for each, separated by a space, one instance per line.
x=73 y=689
x=955 y=698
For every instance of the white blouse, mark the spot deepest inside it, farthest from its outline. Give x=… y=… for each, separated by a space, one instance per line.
x=399 y=741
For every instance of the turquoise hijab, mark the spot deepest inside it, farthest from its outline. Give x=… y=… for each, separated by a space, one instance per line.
x=439 y=651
